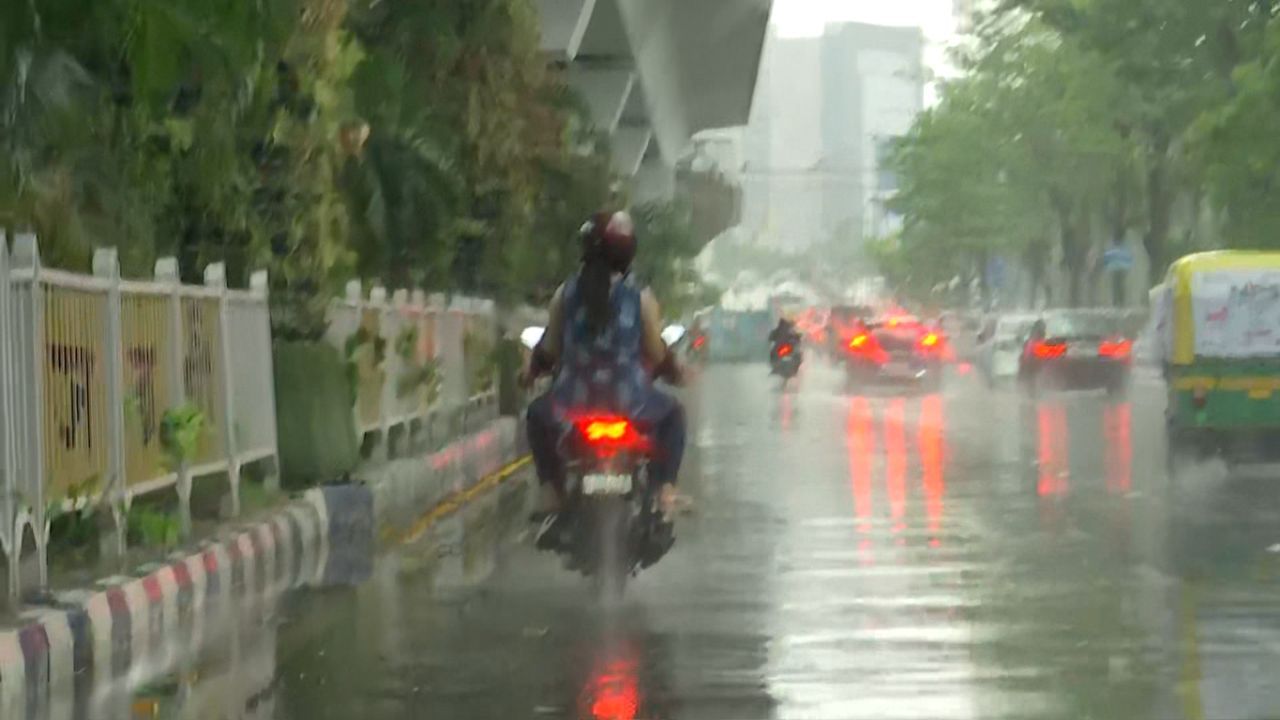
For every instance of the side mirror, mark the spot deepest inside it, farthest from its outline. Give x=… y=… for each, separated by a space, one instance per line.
x=673 y=334
x=530 y=336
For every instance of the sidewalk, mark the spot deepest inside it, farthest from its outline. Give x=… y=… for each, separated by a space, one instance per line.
x=130 y=629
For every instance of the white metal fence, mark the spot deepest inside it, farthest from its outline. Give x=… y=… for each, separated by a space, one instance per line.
x=93 y=366
x=415 y=359
x=90 y=368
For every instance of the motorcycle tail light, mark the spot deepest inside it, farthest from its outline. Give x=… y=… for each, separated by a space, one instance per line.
x=784 y=351
x=609 y=434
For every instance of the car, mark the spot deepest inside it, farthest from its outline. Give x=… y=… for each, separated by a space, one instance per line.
x=897 y=349
x=1000 y=343
x=961 y=327
x=1076 y=350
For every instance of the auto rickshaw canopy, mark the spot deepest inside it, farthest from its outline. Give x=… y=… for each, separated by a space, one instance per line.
x=1181 y=287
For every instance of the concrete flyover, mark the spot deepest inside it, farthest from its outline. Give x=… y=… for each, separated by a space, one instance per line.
x=655 y=72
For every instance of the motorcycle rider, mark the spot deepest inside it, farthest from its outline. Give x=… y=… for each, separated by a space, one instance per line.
x=604 y=340
x=784 y=333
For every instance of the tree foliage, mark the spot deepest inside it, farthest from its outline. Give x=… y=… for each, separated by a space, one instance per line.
x=415 y=143
x=1081 y=123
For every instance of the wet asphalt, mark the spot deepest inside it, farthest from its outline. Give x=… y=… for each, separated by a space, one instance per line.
x=879 y=555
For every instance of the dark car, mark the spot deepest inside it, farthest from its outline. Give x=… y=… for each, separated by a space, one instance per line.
x=1077 y=350
x=897 y=349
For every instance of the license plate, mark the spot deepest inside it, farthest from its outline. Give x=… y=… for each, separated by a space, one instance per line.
x=898 y=368
x=606 y=484
x=1075 y=351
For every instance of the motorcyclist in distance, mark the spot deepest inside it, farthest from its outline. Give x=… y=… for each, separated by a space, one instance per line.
x=785 y=332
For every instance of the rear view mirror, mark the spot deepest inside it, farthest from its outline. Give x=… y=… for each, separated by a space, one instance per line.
x=673 y=334
x=530 y=336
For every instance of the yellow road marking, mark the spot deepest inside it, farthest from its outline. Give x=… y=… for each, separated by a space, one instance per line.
x=455 y=502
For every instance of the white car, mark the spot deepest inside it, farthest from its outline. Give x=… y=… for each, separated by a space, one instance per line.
x=1000 y=345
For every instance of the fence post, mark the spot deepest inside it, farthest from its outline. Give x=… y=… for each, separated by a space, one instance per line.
x=9 y=536
x=381 y=450
x=215 y=278
x=454 y=390
x=106 y=266
x=258 y=285
x=400 y=444
x=29 y=370
x=356 y=300
x=167 y=272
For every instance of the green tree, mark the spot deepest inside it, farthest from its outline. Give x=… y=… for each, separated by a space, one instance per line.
x=1238 y=147
x=1173 y=60
x=1009 y=158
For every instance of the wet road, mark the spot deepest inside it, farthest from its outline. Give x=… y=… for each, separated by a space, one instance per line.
x=967 y=555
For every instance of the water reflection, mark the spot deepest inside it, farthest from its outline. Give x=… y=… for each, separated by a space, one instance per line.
x=933 y=462
x=1117 y=435
x=889 y=420
x=895 y=461
x=613 y=690
x=1054 y=444
x=860 y=445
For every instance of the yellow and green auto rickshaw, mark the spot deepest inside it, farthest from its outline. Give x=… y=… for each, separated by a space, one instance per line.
x=1217 y=326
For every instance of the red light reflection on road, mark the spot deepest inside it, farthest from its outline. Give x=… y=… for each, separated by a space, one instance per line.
x=1117 y=434
x=933 y=459
x=860 y=443
x=1053 y=448
x=786 y=412
x=613 y=692
x=895 y=461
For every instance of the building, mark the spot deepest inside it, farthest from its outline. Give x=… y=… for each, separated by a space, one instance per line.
x=782 y=146
x=827 y=110
x=656 y=72
x=873 y=89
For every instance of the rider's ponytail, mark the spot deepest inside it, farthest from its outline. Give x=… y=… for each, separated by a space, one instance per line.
x=594 y=285
x=608 y=247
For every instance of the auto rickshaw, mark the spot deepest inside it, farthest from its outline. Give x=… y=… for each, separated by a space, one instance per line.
x=1217 y=331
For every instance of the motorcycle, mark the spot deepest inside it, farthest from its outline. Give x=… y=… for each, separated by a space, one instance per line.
x=784 y=360
x=611 y=526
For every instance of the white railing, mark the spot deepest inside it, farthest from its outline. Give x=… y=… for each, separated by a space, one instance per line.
x=91 y=366
x=394 y=344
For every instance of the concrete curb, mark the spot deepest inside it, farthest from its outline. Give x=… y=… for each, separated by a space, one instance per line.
x=70 y=656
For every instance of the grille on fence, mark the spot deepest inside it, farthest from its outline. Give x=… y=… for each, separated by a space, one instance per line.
x=90 y=368
x=411 y=356
x=93 y=366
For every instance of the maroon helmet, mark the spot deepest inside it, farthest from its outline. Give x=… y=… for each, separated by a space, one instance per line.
x=611 y=236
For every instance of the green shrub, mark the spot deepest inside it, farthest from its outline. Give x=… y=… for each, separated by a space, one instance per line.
x=314 y=422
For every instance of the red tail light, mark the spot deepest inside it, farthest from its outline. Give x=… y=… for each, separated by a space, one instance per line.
x=929 y=340
x=865 y=345
x=609 y=434
x=784 y=350
x=699 y=341
x=1115 y=349
x=1048 y=350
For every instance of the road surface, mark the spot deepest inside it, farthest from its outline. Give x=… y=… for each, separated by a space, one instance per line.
x=973 y=554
